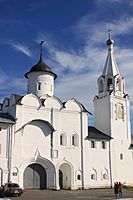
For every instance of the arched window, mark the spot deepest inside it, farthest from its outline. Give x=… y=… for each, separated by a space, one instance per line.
x=39 y=85
x=103 y=145
x=105 y=174
x=75 y=140
x=93 y=145
x=110 y=84
x=101 y=86
x=121 y=156
x=118 y=84
x=63 y=139
x=78 y=177
x=93 y=175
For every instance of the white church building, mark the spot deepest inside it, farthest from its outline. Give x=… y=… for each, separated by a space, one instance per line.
x=47 y=144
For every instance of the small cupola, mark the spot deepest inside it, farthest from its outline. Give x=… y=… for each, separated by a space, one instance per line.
x=41 y=78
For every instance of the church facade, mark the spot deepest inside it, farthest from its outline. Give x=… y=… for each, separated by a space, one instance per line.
x=47 y=144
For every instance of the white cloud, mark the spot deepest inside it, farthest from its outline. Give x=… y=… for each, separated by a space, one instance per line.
x=95 y=31
x=21 y=48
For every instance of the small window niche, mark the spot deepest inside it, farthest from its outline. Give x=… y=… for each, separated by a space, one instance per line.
x=93 y=144
x=39 y=84
x=74 y=140
x=93 y=176
x=121 y=156
x=63 y=139
x=103 y=145
x=78 y=177
x=14 y=173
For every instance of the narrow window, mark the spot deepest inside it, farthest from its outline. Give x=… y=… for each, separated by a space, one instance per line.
x=121 y=156
x=92 y=144
x=93 y=176
x=39 y=86
x=105 y=176
x=110 y=84
x=75 y=140
x=103 y=145
x=14 y=174
x=101 y=86
x=63 y=140
x=118 y=85
x=78 y=177
x=0 y=128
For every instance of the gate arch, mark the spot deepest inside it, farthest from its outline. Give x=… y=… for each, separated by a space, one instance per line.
x=35 y=177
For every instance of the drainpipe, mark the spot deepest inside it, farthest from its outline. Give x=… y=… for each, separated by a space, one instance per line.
x=110 y=165
x=82 y=154
x=51 y=142
x=9 y=151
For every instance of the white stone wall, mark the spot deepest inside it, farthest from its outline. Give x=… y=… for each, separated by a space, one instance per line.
x=45 y=79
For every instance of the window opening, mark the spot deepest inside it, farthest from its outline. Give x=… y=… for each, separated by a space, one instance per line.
x=101 y=86
x=121 y=156
x=110 y=84
x=78 y=177
x=39 y=85
x=92 y=144
x=93 y=176
x=103 y=145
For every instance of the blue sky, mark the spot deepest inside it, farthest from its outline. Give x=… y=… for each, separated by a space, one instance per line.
x=75 y=32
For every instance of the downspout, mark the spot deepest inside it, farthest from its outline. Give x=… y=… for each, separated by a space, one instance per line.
x=51 y=141
x=51 y=144
x=82 y=154
x=110 y=165
x=9 y=151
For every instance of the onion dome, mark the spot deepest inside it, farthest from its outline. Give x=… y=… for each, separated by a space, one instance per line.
x=109 y=41
x=41 y=66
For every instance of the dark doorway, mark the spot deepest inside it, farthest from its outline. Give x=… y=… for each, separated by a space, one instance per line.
x=60 y=179
x=35 y=177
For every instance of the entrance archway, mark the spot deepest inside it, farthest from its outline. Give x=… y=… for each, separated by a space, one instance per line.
x=65 y=176
x=35 y=177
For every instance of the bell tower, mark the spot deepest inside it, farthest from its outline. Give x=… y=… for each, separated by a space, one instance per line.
x=112 y=116
x=111 y=105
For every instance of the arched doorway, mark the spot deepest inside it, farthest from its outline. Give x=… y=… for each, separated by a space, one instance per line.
x=65 y=176
x=35 y=177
